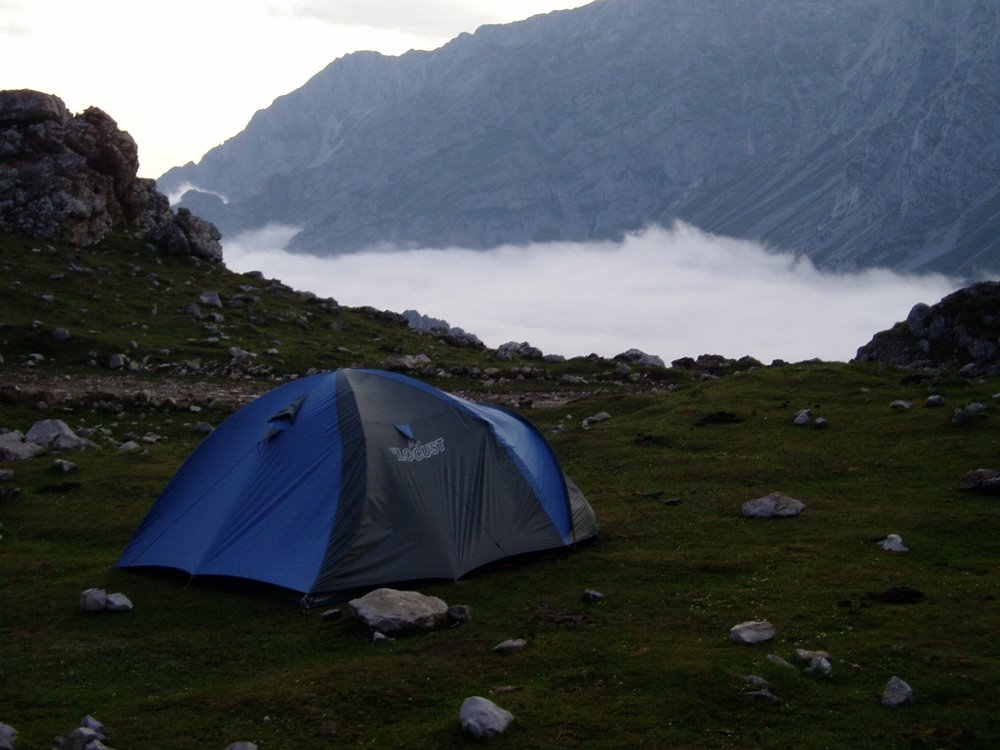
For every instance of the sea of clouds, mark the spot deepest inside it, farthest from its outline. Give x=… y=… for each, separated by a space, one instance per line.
x=671 y=292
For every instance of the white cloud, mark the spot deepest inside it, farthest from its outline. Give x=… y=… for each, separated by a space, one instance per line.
x=678 y=292
x=174 y=196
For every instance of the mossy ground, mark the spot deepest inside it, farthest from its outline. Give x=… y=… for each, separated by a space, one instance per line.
x=198 y=665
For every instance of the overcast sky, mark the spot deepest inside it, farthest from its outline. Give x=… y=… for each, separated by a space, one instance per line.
x=673 y=293
x=183 y=76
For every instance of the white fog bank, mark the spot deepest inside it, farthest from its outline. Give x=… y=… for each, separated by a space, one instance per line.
x=670 y=292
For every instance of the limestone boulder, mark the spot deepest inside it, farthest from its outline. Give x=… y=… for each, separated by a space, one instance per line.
x=481 y=717
x=751 y=632
x=14 y=448
x=395 y=612
x=897 y=693
x=54 y=434
x=775 y=505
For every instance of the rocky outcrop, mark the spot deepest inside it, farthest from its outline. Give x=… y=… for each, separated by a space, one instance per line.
x=962 y=331
x=73 y=179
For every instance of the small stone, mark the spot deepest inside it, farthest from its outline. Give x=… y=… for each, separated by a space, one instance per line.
x=6 y=475
x=510 y=646
x=897 y=693
x=779 y=662
x=980 y=480
x=481 y=717
x=934 y=401
x=821 y=423
x=380 y=637
x=899 y=404
x=805 y=655
x=459 y=614
x=210 y=299
x=893 y=543
x=775 y=505
x=128 y=446
x=240 y=355
x=754 y=631
x=118 y=603
x=819 y=665
x=8 y=737
x=204 y=428
x=332 y=614
x=755 y=680
x=601 y=416
x=93 y=600
x=242 y=745
x=589 y=595
x=802 y=418
x=90 y=722
x=61 y=466
x=60 y=334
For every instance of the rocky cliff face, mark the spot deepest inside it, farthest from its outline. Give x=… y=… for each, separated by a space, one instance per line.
x=962 y=331
x=73 y=179
x=859 y=133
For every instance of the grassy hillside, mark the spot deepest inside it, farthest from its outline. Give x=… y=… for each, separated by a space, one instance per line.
x=196 y=665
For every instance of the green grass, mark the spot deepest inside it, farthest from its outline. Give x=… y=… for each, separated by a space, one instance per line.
x=196 y=665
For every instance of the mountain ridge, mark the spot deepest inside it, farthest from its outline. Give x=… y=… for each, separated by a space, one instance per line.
x=860 y=135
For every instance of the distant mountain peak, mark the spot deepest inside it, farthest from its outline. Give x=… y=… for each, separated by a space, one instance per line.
x=857 y=133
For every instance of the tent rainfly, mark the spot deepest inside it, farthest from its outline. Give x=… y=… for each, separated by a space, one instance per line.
x=358 y=478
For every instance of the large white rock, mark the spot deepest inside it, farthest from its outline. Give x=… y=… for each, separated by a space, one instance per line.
x=391 y=612
x=775 y=505
x=54 y=434
x=481 y=717
x=754 y=631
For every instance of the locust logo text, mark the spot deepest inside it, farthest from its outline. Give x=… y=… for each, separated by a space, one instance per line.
x=419 y=451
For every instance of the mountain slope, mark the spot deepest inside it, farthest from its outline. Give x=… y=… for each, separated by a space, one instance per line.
x=860 y=133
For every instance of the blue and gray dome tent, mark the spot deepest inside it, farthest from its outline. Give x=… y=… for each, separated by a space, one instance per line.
x=357 y=478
